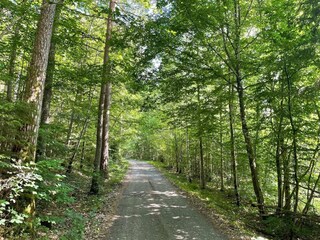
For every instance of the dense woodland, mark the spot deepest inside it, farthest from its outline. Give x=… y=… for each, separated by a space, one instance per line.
x=226 y=93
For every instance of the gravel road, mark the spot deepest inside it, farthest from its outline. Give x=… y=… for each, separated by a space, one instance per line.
x=151 y=208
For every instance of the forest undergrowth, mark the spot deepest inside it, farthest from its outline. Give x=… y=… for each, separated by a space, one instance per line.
x=78 y=214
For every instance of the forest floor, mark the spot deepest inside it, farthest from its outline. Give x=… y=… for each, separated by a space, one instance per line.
x=87 y=216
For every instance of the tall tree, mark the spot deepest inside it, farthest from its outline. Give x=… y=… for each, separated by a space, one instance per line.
x=33 y=93
x=102 y=141
x=45 y=109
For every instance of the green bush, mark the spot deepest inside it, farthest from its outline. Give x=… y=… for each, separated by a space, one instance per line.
x=43 y=181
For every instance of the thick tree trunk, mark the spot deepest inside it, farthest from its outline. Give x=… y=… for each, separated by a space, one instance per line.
x=33 y=93
x=41 y=148
x=105 y=132
x=232 y=147
x=107 y=99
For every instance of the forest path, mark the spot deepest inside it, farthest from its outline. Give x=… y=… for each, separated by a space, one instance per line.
x=151 y=208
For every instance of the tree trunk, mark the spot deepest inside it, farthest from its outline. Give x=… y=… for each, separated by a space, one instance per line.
x=94 y=189
x=33 y=93
x=41 y=148
x=232 y=147
x=176 y=150
x=221 y=152
x=249 y=148
x=278 y=160
x=286 y=179
x=70 y=125
x=12 y=61
x=202 y=176
x=82 y=154
x=188 y=157
x=102 y=138
x=107 y=99
x=309 y=199
x=71 y=160
x=242 y=108
x=294 y=143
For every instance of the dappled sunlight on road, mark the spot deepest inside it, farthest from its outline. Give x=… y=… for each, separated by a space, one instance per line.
x=151 y=208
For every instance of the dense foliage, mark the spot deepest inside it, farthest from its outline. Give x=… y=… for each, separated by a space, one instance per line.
x=224 y=92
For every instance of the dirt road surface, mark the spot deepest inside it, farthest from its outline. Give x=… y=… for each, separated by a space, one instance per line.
x=151 y=208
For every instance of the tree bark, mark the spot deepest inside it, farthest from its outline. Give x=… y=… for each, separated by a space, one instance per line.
x=242 y=108
x=286 y=179
x=94 y=189
x=33 y=93
x=294 y=142
x=278 y=161
x=107 y=99
x=45 y=110
x=249 y=148
x=82 y=154
x=232 y=148
x=221 y=152
x=202 y=175
x=12 y=61
x=102 y=138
